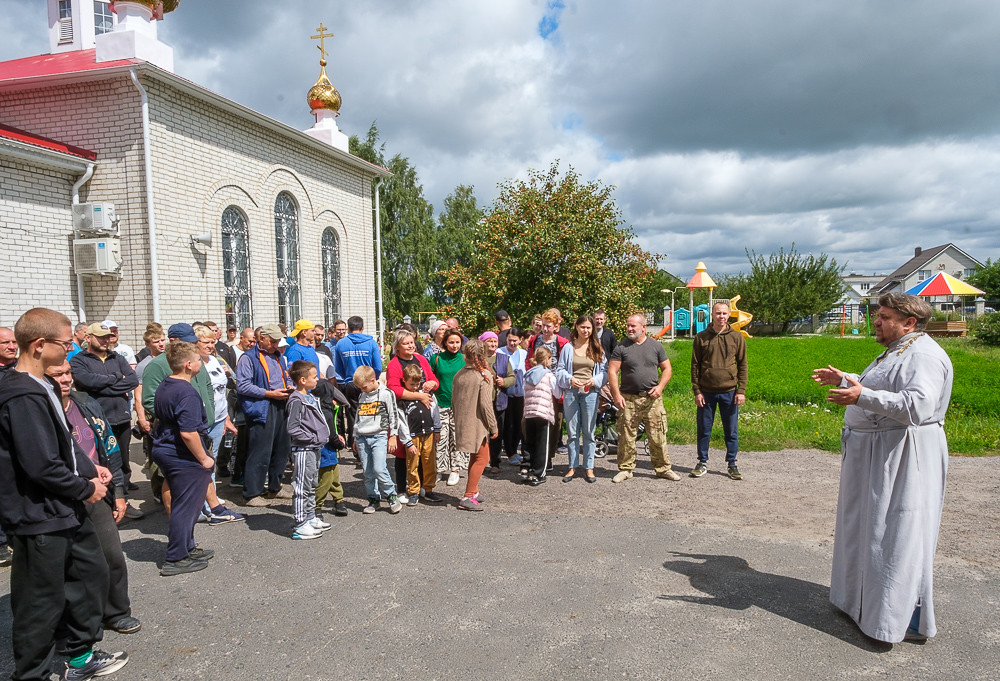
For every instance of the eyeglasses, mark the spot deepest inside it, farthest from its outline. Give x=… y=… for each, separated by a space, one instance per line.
x=67 y=344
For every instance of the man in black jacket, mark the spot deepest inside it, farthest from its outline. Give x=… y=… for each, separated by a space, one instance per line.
x=107 y=377
x=59 y=571
x=92 y=434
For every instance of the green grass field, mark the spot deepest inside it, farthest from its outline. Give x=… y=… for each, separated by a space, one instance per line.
x=786 y=409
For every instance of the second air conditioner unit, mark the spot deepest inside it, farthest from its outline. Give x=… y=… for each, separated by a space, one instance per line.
x=97 y=256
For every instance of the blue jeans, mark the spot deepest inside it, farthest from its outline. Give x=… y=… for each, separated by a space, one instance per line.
x=216 y=435
x=728 y=414
x=580 y=411
x=372 y=451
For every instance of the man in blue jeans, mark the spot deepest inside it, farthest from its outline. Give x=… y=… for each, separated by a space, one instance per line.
x=719 y=378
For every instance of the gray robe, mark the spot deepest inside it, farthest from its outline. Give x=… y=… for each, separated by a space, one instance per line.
x=895 y=458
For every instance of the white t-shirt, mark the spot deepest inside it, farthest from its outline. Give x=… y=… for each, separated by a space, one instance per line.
x=126 y=352
x=218 y=376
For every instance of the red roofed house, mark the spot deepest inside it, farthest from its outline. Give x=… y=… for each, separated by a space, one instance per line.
x=214 y=211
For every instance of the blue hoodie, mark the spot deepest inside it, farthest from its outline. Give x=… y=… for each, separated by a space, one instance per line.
x=354 y=350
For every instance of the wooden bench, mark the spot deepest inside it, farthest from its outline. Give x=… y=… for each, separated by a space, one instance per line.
x=946 y=328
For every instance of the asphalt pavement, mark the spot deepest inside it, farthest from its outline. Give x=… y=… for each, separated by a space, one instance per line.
x=436 y=593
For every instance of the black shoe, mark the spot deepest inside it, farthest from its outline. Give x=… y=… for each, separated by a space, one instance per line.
x=124 y=625
x=181 y=567
x=432 y=498
x=535 y=481
x=198 y=553
x=340 y=509
x=590 y=478
x=100 y=664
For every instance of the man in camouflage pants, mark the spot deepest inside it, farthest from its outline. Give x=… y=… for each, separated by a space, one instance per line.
x=638 y=398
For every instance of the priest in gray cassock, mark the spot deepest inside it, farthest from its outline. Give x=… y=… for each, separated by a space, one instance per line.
x=895 y=458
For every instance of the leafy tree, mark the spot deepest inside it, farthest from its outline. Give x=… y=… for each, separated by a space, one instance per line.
x=552 y=240
x=784 y=286
x=988 y=279
x=457 y=226
x=409 y=237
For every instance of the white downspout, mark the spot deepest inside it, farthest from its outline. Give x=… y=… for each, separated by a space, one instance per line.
x=154 y=278
x=380 y=323
x=81 y=309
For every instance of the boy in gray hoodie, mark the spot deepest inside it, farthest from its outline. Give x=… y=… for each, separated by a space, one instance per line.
x=377 y=418
x=308 y=431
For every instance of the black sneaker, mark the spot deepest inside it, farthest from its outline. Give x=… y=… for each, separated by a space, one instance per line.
x=734 y=473
x=198 y=553
x=432 y=498
x=340 y=509
x=124 y=625
x=180 y=567
x=101 y=664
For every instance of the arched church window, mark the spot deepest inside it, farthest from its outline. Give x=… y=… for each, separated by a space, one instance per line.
x=236 y=268
x=330 y=249
x=286 y=234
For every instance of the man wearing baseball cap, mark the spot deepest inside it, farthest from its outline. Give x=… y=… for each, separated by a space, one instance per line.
x=304 y=332
x=262 y=389
x=115 y=344
x=107 y=376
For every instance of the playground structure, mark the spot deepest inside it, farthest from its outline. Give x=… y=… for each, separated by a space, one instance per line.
x=698 y=318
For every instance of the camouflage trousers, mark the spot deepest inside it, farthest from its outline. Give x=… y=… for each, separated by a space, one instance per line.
x=641 y=408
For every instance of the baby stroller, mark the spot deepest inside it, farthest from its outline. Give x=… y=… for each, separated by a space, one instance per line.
x=606 y=431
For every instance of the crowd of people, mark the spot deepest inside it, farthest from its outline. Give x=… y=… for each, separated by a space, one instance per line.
x=267 y=403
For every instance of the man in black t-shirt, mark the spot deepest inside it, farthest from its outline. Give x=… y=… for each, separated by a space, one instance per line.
x=639 y=398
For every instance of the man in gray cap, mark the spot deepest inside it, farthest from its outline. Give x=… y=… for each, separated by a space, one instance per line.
x=262 y=389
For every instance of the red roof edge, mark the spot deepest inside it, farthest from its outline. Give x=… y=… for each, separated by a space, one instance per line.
x=8 y=132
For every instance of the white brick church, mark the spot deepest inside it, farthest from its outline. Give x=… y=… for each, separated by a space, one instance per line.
x=221 y=212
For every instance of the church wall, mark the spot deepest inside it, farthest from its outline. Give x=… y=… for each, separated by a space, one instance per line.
x=103 y=116
x=36 y=228
x=206 y=159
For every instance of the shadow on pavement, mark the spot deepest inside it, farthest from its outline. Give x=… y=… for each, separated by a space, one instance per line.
x=732 y=584
x=145 y=549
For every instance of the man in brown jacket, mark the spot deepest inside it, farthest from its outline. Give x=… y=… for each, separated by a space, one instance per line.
x=719 y=378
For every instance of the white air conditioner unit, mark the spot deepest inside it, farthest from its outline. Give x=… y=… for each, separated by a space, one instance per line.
x=95 y=219
x=97 y=256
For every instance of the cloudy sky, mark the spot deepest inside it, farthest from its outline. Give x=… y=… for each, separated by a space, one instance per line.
x=857 y=128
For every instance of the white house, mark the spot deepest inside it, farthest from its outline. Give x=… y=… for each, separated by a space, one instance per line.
x=924 y=264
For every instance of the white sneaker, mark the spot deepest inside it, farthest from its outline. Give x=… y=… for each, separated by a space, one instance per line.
x=319 y=524
x=403 y=498
x=306 y=531
x=453 y=478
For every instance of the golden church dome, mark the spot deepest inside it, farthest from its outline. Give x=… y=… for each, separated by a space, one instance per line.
x=323 y=95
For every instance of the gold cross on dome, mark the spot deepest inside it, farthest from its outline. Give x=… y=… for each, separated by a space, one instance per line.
x=321 y=36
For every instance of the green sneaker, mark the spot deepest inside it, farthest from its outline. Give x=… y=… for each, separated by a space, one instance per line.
x=734 y=473
x=699 y=470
